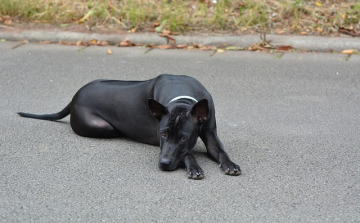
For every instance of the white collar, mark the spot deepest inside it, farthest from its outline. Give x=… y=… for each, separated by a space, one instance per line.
x=182 y=97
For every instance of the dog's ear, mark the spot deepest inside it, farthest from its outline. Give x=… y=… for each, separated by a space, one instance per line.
x=200 y=111
x=157 y=109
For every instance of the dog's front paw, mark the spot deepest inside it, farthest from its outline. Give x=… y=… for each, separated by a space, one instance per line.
x=230 y=168
x=195 y=173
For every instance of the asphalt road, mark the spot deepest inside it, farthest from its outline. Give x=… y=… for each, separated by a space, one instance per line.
x=292 y=123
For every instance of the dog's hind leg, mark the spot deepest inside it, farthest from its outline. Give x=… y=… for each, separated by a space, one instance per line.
x=86 y=123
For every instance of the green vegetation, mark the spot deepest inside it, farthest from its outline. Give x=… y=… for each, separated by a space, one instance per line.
x=322 y=17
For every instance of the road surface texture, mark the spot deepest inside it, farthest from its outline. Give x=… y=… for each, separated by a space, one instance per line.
x=292 y=123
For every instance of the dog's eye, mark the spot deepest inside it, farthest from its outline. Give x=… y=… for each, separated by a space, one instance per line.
x=183 y=138
x=164 y=135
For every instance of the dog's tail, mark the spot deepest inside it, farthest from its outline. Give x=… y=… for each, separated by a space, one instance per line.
x=56 y=116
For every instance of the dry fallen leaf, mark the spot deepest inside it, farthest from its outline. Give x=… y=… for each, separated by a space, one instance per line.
x=265 y=43
x=45 y=42
x=234 y=48
x=181 y=46
x=109 y=51
x=66 y=42
x=40 y=21
x=351 y=32
x=125 y=43
x=164 y=47
x=220 y=50
x=155 y=24
x=151 y=45
x=85 y=43
x=93 y=42
x=191 y=47
x=166 y=32
x=350 y=51
x=284 y=48
x=280 y=31
x=102 y=43
x=207 y=47
x=256 y=47
x=8 y=22
x=169 y=38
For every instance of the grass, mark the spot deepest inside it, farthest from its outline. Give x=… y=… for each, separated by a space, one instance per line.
x=321 y=17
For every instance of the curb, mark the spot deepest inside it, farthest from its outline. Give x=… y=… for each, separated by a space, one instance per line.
x=312 y=43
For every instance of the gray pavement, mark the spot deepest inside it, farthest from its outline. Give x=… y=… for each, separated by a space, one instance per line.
x=291 y=123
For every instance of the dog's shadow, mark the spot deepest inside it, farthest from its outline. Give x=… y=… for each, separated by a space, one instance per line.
x=199 y=151
x=61 y=121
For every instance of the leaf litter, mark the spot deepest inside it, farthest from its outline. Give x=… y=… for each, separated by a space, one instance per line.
x=263 y=45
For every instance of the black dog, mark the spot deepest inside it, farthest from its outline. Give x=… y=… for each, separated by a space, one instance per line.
x=182 y=107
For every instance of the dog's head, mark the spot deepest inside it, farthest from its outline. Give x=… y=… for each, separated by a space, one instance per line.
x=178 y=129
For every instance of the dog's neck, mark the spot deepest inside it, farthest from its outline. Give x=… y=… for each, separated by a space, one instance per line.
x=182 y=97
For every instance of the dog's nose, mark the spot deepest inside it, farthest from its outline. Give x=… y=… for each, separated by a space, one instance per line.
x=164 y=163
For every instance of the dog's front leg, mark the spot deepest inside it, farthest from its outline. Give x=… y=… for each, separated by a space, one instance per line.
x=216 y=151
x=193 y=169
